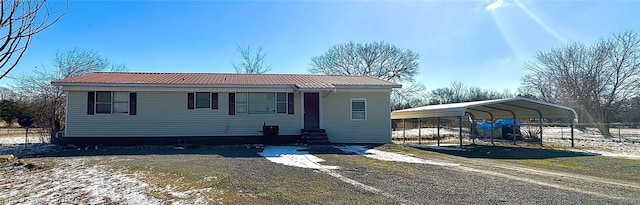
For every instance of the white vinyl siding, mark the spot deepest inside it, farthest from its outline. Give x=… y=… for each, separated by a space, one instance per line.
x=336 y=117
x=161 y=114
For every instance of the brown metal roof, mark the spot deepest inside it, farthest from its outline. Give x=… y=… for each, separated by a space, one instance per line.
x=304 y=81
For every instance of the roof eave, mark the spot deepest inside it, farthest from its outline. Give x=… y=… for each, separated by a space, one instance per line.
x=368 y=86
x=170 y=85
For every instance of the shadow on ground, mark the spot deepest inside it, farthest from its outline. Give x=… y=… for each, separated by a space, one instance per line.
x=235 y=151
x=497 y=152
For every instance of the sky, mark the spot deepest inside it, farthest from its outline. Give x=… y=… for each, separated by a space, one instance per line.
x=481 y=43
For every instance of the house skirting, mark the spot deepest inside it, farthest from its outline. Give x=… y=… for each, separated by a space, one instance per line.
x=199 y=140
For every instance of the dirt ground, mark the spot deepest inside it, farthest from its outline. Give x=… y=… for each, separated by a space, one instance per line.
x=241 y=175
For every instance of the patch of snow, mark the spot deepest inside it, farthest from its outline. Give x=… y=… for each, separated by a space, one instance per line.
x=75 y=183
x=388 y=156
x=71 y=181
x=427 y=132
x=15 y=140
x=30 y=149
x=448 y=147
x=292 y=156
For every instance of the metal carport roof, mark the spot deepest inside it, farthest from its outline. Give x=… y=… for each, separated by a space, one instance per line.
x=491 y=109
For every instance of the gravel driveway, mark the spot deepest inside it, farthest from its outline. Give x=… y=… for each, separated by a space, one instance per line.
x=240 y=175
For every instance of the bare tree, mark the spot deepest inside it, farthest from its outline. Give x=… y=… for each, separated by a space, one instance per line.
x=252 y=63
x=378 y=59
x=457 y=92
x=6 y=93
x=20 y=20
x=48 y=101
x=597 y=79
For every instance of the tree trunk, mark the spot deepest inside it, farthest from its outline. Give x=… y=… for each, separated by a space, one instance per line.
x=602 y=123
x=604 y=129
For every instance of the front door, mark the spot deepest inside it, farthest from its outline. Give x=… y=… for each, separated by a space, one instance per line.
x=311 y=111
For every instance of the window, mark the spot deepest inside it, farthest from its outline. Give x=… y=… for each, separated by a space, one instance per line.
x=103 y=102
x=120 y=102
x=358 y=109
x=263 y=103
x=241 y=102
x=203 y=100
x=281 y=102
x=108 y=102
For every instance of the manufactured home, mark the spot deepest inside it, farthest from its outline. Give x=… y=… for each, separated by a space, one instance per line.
x=160 y=108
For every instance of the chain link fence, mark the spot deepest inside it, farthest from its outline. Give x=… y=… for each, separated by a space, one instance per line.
x=622 y=137
x=18 y=135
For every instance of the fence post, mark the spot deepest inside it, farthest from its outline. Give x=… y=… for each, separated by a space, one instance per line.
x=572 y=144
x=619 y=135
x=26 y=137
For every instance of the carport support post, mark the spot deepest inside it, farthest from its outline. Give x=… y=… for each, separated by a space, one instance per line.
x=419 y=131
x=513 y=130
x=493 y=124
x=460 y=126
x=438 y=131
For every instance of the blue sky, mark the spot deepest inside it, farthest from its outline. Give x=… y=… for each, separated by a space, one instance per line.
x=480 y=43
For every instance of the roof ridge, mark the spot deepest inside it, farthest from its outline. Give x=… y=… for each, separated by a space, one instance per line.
x=173 y=73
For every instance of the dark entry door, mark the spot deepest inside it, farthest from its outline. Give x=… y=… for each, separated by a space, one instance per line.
x=311 y=111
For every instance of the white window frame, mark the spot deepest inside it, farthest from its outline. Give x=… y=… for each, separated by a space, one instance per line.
x=275 y=103
x=285 y=102
x=96 y=103
x=245 y=103
x=195 y=100
x=111 y=103
x=366 y=111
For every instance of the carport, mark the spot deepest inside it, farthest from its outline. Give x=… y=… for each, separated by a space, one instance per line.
x=513 y=108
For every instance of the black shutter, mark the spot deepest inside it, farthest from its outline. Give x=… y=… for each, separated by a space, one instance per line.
x=133 y=103
x=232 y=103
x=214 y=100
x=290 y=106
x=190 y=101
x=91 y=103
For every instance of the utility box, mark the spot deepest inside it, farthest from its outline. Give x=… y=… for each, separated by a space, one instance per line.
x=270 y=132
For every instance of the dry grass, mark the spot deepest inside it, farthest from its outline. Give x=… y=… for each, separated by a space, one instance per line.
x=229 y=180
x=599 y=166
